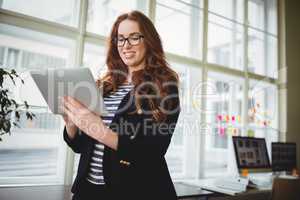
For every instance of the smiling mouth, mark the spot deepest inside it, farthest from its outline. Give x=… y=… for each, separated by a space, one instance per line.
x=129 y=54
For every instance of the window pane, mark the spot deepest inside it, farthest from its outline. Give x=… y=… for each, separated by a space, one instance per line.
x=94 y=58
x=61 y=11
x=233 y=9
x=263 y=111
x=102 y=13
x=256 y=13
x=180 y=25
x=224 y=111
x=256 y=52
x=263 y=15
x=272 y=16
x=35 y=152
x=262 y=54
x=26 y=49
x=225 y=42
x=262 y=105
x=184 y=149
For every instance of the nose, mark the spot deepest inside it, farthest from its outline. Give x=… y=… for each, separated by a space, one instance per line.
x=127 y=44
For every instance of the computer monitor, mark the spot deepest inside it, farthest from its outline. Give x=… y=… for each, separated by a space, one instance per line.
x=284 y=156
x=251 y=154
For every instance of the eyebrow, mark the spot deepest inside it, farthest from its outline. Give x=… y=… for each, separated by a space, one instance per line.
x=130 y=34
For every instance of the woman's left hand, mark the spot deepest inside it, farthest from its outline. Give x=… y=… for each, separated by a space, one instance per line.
x=83 y=118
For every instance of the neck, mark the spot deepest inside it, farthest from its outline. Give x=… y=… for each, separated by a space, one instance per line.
x=132 y=69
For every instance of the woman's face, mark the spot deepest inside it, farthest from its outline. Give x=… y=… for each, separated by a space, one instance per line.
x=131 y=46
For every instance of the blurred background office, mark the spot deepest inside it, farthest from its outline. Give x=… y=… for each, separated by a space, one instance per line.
x=237 y=60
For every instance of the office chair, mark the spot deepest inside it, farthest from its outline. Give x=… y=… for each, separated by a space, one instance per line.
x=287 y=189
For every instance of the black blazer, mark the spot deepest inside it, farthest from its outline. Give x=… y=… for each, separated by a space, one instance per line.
x=137 y=169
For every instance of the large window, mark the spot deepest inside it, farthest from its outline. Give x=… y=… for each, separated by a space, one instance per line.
x=34 y=153
x=225 y=52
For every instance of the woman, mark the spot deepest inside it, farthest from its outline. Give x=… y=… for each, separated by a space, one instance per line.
x=122 y=153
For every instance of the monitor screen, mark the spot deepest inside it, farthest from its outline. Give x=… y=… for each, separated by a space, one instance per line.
x=251 y=153
x=284 y=156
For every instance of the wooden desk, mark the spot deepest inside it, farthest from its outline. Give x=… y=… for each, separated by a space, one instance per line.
x=55 y=192
x=60 y=192
x=188 y=192
x=250 y=194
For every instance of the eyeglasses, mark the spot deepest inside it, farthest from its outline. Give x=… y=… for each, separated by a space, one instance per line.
x=132 y=40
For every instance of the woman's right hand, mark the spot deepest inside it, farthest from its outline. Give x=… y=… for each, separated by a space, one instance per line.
x=68 y=122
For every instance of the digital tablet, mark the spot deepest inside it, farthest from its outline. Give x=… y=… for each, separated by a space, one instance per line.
x=75 y=82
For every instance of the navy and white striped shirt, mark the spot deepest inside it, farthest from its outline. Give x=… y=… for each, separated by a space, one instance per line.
x=111 y=101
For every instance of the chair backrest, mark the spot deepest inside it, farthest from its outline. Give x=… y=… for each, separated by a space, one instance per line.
x=286 y=189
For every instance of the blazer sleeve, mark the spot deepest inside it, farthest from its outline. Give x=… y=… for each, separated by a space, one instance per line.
x=152 y=139
x=76 y=143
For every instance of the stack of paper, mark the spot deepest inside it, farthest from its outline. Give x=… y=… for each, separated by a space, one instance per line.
x=226 y=185
x=238 y=184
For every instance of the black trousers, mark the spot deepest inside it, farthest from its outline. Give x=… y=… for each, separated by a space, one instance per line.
x=89 y=191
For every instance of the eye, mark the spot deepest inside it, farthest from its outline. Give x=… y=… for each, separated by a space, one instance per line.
x=135 y=38
x=121 y=39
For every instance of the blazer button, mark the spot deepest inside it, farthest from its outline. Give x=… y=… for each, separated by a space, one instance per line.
x=127 y=163
x=124 y=162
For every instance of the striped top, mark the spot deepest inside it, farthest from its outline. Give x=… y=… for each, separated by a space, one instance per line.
x=111 y=101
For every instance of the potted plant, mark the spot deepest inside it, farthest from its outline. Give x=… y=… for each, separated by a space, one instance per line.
x=9 y=109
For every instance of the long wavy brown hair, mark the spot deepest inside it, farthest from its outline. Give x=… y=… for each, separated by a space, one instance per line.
x=156 y=72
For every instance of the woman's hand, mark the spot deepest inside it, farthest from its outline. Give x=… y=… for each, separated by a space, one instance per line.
x=72 y=129
x=68 y=122
x=83 y=118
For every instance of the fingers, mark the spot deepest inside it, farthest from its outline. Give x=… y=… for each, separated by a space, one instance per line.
x=69 y=106
x=70 y=100
x=65 y=117
x=76 y=113
x=75 y=106
x=68 y=115
x=66 y=108
x=68 y=121
x=78 y=120
x=73 y=101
